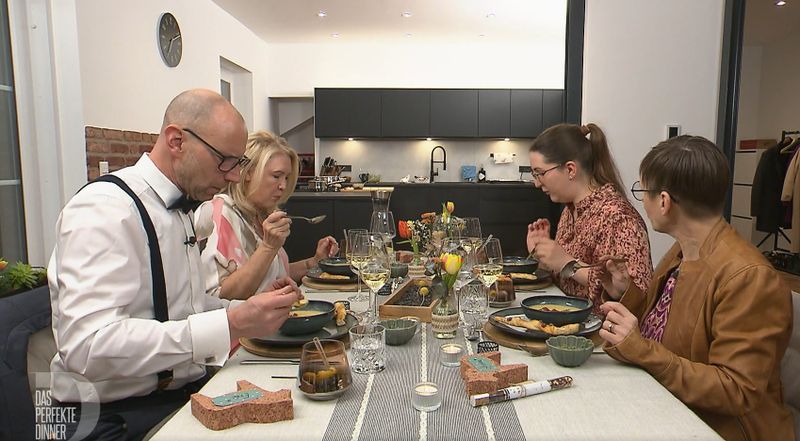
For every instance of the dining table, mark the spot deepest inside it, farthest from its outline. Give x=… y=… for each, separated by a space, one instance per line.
x=608 y=400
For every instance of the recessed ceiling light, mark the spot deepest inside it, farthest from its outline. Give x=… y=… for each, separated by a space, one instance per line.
x=780 y=3
x=335 y=35
x=322 y=14
x=406 y=14
x=490 y=15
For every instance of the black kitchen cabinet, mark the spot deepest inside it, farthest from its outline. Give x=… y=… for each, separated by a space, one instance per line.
x=526 y=113
x=494 y=113
x=405 y=113
x=344 y=113
x=331 y=116
x=454 y=113
x=552 y=107
x=302 y=241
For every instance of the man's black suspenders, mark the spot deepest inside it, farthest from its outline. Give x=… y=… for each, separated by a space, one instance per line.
x=156 y=265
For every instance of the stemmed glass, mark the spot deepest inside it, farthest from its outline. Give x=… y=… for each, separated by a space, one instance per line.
x=488 y=266
x=356 y=252
x=471 y=239
x=375 y=271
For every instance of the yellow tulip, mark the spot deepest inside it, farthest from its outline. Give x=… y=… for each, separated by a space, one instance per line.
x=451 y=263
x=3 y=264
x=450 y=207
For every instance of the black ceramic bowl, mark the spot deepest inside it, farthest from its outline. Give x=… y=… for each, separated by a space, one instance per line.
x=514 y=264
x=309 y=324
x=532 y=306
x=336 y=265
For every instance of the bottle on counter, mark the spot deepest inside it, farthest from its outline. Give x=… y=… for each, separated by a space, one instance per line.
x=481 y=174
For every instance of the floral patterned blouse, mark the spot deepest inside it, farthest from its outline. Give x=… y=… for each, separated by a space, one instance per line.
x=604 y=223
x=231 y=241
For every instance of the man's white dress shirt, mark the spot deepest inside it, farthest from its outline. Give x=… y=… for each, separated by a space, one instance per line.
x=101 y=293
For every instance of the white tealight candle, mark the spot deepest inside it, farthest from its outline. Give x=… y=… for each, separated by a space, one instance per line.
x=426 y=397
x=450 y=354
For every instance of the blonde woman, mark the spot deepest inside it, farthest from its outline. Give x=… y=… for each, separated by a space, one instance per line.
x=245 y=228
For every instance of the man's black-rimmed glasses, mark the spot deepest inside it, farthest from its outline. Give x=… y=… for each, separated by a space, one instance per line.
x=226 y=163
x=637 y=190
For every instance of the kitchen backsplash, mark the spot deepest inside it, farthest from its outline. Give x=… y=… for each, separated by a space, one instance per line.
x=394 y=159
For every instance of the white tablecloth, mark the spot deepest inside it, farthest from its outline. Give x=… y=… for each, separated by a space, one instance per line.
x=608 y=400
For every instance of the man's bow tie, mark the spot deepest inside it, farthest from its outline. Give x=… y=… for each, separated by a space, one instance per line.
x=184 y=204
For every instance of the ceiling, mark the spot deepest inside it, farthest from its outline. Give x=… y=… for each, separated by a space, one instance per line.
x=766 y=23
x=441 y=21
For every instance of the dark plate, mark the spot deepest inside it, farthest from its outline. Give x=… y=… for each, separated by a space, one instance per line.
x=541 y=276
x=314 y=274
x=590 y=325
x=336 y=265
x=330 y=330
x=515 y=264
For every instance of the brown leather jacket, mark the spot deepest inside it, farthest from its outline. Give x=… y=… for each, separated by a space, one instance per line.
x=728 y=327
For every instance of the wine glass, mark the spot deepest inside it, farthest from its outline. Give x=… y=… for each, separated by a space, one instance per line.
x=489 y=262
x=356 y=253
x=375 y=271
x=471 y=239
x=383 y=222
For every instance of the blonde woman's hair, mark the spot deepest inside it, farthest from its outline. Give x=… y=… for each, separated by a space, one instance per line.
x=261 y=147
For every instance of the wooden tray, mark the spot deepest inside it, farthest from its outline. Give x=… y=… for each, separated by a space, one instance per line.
x=389 y=310
x=512 y=341
x=259 y=348
x=330 y=286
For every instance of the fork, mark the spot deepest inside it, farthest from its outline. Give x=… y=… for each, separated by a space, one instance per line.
x=313 y=220
x=598 y=264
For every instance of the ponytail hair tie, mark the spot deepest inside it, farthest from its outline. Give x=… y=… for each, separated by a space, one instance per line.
x=585 y=130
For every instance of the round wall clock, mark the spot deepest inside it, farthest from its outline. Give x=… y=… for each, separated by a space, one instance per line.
x=170 y=42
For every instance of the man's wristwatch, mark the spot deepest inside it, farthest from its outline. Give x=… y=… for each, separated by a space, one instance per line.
x=568 y=270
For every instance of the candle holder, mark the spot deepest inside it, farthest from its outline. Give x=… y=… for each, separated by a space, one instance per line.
x=450 y=354
x=487 y=346
x=425 y=397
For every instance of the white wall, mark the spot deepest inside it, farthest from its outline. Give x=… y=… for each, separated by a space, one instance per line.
x=648 y=64
x=125 y=83
x=780 y=87
x=303 y=67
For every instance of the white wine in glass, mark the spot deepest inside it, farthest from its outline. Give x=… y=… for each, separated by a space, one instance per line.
x=488 y=272
x=374 y=276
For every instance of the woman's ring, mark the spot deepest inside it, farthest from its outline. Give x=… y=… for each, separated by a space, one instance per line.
x=611 y=328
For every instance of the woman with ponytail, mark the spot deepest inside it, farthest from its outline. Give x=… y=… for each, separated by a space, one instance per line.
x=573 y=166
x=246 y=230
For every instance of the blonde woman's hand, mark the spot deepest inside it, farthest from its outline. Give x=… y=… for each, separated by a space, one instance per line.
x=619 y=322
x=326 y=247
x=539 y=229
x=276 y=228
x=614 y=277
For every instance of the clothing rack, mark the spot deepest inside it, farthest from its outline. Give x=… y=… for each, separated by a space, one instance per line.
x=780 y=232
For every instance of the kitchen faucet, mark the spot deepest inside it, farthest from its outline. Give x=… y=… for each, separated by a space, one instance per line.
x=443 y=161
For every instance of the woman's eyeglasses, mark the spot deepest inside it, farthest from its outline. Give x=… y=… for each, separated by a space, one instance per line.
x=537 y=175
x=226 y=163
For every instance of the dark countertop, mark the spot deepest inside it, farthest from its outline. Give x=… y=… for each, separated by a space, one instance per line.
x=365 y=192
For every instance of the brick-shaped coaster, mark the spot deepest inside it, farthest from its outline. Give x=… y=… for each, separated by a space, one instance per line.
x=249 y=404
x=483 y=373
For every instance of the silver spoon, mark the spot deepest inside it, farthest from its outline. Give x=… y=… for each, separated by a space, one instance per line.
x=313 y=220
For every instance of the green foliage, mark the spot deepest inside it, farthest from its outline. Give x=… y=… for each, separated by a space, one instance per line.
x=20 y=276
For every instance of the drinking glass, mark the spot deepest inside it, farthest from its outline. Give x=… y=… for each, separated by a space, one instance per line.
x=368 y=348
x=325 y=373
x=473 y=307
x=471 y=235
x=375 y=271
x=489 y=262
x=356 y=253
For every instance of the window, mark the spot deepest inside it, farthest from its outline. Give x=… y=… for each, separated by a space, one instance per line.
x=12 y=219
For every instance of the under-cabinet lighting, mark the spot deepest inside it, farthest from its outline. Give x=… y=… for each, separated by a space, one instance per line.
x=335 y=35
x=322 y=14
x=506 y=139
x=406 y=14
x=349 y=139
x=780 y=3
x=429 y=139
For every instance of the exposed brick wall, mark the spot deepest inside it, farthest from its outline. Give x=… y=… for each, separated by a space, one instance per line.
x=120 y=148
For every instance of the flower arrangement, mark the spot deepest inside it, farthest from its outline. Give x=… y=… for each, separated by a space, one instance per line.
x=448 y=267
x=426 y=234
x=19 y=276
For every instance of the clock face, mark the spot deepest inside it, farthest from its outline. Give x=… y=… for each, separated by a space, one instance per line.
x=170 y=41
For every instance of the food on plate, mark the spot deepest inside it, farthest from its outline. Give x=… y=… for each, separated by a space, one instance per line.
x=524 y=276
x=296 y=314
x=537 y=325
x=554 y=308
x=340 y=312
x=300 y=303
x=324 y=275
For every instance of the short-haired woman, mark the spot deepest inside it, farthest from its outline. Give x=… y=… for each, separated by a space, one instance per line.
x=246 y=230
x=573 y=166
x=717 y=318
